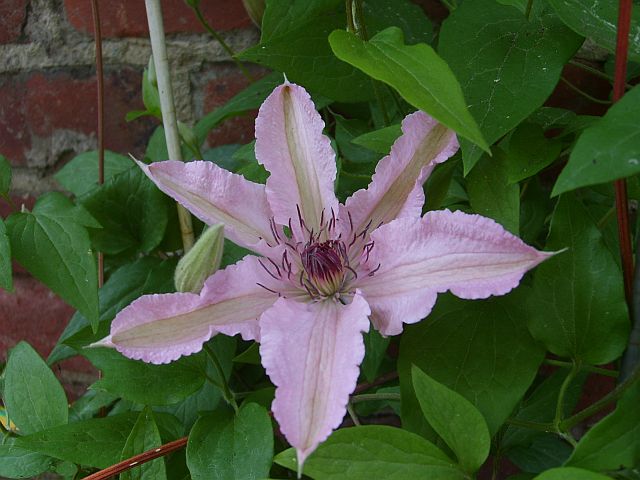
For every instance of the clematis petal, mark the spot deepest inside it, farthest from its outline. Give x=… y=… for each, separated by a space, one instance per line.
x=162 y=328
x=215 y=195
x=311 y=352
x=396 y=187
x=470 y=255
x=290 y=144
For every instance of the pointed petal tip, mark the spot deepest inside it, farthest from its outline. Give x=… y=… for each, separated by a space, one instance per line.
x=105 y=342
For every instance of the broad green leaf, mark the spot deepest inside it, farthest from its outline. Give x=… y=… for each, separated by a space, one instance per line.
x=248 y=99
x=491 y=194
x=529 y=151
x=17 y=462
x=144 y=382
x=346 y=131
x=379 y=140
x=404 y=14
x=597 y=20
x=144 y=436
x=57 y=205
x=419 y=75
x=305 y=56
x=614 y=442
x=157 y=147
x=57 y=251
x=5 y=176
x=482 y=350
x=132 y=212
x=223 y=156
x=97 y=442
x=455 y=419
x=608 y=150
x=507 y=65
x=34 y=398
x=6 y=275
x=227 y=447
x=545 y=451
x=208 y=397
x=150 y=94
x=80 y=175
x=280 y=17
x=89 y=404
x=375 y=349
x=574 y=313
x=392 y=453
x=570 y=473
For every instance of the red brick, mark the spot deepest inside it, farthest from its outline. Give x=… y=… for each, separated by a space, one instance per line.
x=12 y=15
x=14 y=137
x=43 y=103
x=217 y=93
x=126 y=18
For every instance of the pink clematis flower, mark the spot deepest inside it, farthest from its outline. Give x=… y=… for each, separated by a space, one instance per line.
x=318 y=283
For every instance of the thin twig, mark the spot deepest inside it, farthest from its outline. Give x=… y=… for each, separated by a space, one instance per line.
x=596 y=72
x=137 y=460
x=622 y=203
x=586 y=368
x=161 y=62
x=386 y=378
x=584 y=94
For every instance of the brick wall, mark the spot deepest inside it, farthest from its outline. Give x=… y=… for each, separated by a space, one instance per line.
x=48 y=113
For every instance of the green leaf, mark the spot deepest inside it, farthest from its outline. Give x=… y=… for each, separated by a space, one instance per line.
x=304 y=54
x=507 y=65
x=281 y=17
x=391 y=453
x=482 y=350
x=379 y=140
x=17 y=462
x=150 y=95
x=608 y=150
x=146 y=383
x=226 y=447
x=529 y=151
x=89 y=404
x=570 y=473
x=574 y=312
x=597 y=20
x=6 y=276
x=419 y=75
x=248 y=99
x=545 y=451
x=144 y=436
x=5 y=176
x=614 y=442
x=80 y=175
x=132 y=212
x=97 y=442
x=491 y=194
x=375 y=349
x=380 y=14
x=34 y=398
x=456 y=420
x=57 y=205
x=346 y=131
x=57 y=251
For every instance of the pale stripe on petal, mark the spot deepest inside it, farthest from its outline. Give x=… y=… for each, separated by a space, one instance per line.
x=396 y=187
x=311 y=352
x=470 y=255
x=215 y=195
x=162 y=328
x=291 y=146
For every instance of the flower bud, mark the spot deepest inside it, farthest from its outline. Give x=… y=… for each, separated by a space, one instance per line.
x=255 y=9
x=201 y=261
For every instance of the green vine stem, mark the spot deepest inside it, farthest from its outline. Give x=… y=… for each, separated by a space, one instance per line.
x=591 y=98
x=161 y=63
x=586 y=368
x=575 y=369
x=527 y=12
x=372 y=397
x=195 y=6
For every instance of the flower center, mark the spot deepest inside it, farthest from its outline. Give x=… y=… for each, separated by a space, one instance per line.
x=325 y=265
